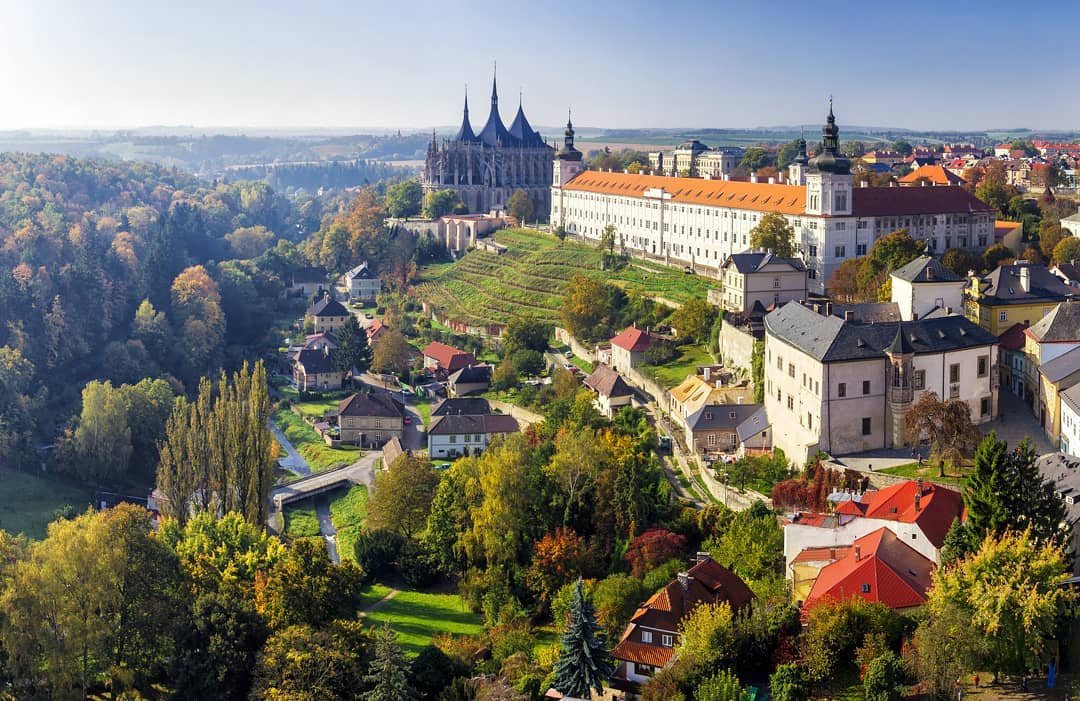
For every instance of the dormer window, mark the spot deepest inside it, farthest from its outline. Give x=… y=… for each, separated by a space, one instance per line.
x=866 y=589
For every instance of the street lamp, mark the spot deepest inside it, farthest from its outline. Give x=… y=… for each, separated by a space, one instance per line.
x=725 y=478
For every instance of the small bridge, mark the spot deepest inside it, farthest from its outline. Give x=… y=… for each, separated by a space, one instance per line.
x=360 y=472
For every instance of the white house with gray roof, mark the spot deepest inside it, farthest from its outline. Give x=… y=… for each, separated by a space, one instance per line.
x=925 y=286
x=843 y=386
x=759 y=277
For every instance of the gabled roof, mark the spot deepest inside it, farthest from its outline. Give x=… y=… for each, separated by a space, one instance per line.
x=1061 y=324
x=301 y=275
x=753 y=425
x=318 y=340
x=753 y=262
x=907 y=201
x=1062 y=366
x=370 y=404
x=935 y=174
x=456 y=424
x=327 y=306
x=469 y=406
x=718 y=417
x=829 y=339
x=448 y=357
x=868 y=311
x=360 y=272
x=632 y=339
x=1013 y=337
x=1002 y=285
x=935 y=512
x=761 y=197
x=473 y=374
x=606 y=382
x=879 y=567
x=926 y=269
x=374 y=330
x=315 y=361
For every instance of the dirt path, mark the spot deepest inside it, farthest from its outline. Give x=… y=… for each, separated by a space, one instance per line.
x=378 y=604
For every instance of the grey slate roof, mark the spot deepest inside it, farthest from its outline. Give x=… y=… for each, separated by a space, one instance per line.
x=360 y=272
x=753 y=425
x=1071 y=396
x=607 y=382
x=926 y=269
x=469 y=406
x=829 y=339
x=1064 y=471
x=1061 y=324
x=370 y=404
x=869 y=311
x=1003 y=285
x=315 y=361
x=753 y=262
x=453 y=424
x=713 y=417
x=473 y=374
x=327 y=306
x=1062 y=366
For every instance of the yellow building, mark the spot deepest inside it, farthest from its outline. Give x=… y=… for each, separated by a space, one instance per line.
x=1020 y=293
x=1055 y=377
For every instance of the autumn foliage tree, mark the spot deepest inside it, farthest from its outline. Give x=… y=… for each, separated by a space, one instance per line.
x=946 y=424
x=653 y=548
x=558 y=558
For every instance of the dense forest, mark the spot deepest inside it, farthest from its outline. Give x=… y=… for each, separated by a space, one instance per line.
x=125 y=271
x=312 y=176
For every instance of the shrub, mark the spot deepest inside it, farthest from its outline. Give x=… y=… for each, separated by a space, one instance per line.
x=660 y=576
x=377 y=551
x=884 y=678
x=786 y=684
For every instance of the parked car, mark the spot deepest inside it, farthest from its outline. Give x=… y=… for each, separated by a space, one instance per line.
x=443 y=466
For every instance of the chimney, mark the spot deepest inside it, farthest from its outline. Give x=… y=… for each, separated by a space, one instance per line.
x=918 y=502
x=849 y=315
x=772 y=181
x=753 y=177
x=1025 y=278
x=919 y=486
x=828 y=309
x=684 y=580
x=703 y=556
x=858 y=553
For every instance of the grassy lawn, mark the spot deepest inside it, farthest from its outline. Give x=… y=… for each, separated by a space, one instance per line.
x=416 y=617
x=372 y=594
x=929 y=471
x=584 y=365
x=674 y=372
x=348 y=507
x=317 y=409
x=530 y=279
x=27 y=501
x=308 y=443
x=301 y=521
x=424 y=409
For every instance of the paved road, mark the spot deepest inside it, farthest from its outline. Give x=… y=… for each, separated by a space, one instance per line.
x=360 y=472
x=326 y=525
x=1016 y=422
x=292 y=461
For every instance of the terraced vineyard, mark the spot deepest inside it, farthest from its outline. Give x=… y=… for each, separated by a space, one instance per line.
x=530 y=279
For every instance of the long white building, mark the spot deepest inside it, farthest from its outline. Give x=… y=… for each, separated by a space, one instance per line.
x=700 y=221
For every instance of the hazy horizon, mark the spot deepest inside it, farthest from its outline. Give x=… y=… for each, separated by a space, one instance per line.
x=335 y=65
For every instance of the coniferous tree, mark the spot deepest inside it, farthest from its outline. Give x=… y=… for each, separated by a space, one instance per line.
x=584 y=663
x=389 y=672
x=988 y=489
x=353 y=351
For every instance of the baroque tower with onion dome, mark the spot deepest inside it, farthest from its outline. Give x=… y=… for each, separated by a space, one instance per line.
x=485 y=168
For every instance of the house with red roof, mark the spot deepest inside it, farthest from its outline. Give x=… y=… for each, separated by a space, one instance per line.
x=648 y=643
x=878 y=567
x=918 y=513
x=628 y=348
x=931 y=175
x=439 y=356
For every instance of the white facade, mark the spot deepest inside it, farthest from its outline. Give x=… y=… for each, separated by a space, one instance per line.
x=917 y=299
x=1069 y=442
x=456 y=444
x=658 y=225
x=798 y=537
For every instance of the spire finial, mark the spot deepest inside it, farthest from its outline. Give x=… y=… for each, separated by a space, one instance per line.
x=569 y=122
x=521 y=95
x=494 y=79
x=466 y=98
x=830 y=106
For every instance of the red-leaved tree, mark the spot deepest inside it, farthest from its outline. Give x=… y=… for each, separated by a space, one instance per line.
x=558 y=559
x=653 y=548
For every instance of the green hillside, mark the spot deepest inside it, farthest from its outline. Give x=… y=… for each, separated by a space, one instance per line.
x=530 y=279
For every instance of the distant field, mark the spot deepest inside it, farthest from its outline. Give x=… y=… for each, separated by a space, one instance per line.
x=28 y=501
x=530 y=279
x=417 y=617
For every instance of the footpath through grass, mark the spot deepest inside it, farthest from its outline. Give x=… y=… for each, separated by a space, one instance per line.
x=319 y=455
x=417 y=617
x=28 y=502
x=530 y=279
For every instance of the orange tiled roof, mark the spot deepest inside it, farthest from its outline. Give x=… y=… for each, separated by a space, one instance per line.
x=642 y=653
x=760 y=197
x=632 y=339
x=938 y=508
x=935 y=174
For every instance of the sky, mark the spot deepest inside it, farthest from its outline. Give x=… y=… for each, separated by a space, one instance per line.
x=945 y=64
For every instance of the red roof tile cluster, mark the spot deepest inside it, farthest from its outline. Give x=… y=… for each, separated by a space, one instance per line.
x=705 y=582
x=934 y=511
x=632 y=339
x=908 y=201
x=935 y=174
x=448 y=357
x=879 y=567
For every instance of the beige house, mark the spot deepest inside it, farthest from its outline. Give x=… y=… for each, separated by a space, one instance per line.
x=844 y=386
x=925 y=285
x=363 y=284
x=747 y=278
x=612 y=392
x=370 y=419
x=326 y=314
x=314 y=371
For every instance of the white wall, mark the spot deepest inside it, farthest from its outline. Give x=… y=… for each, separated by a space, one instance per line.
x=799 y=537
x=919 y=299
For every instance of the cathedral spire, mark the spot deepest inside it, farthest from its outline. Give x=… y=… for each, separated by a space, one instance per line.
x=494 y=85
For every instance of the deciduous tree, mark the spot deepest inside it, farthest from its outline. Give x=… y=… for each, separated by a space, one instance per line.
x=391 y=353
x=402 y=496
x=775 y=234
x=520 y=206
x=947 y=425
x=403 y=199
x=439 y=203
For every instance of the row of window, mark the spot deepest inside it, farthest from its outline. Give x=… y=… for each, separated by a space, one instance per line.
x=666 y=640
x=467 y=438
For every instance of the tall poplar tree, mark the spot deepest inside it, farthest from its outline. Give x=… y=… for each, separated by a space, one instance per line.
x=584 y=663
